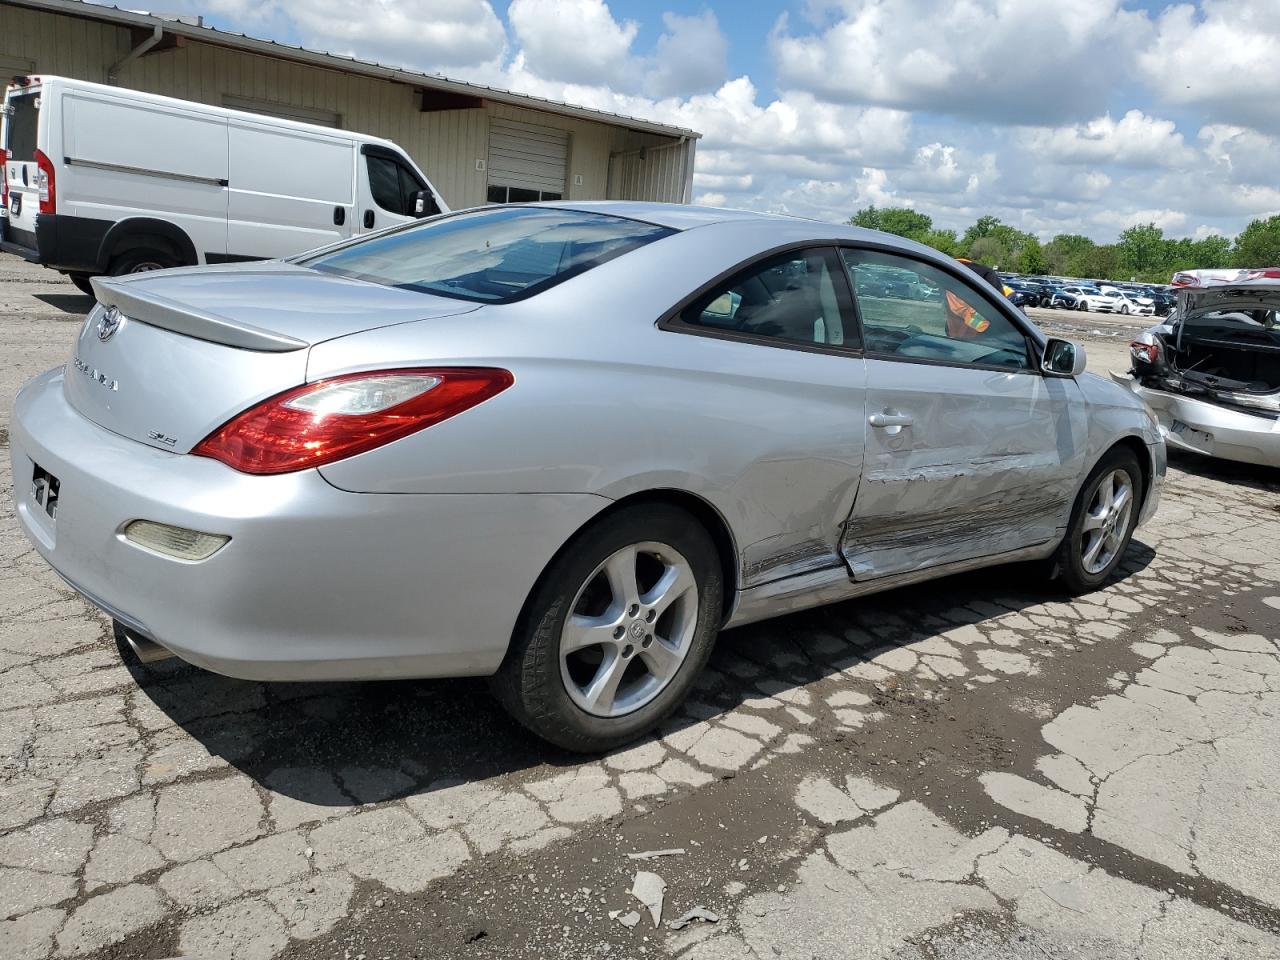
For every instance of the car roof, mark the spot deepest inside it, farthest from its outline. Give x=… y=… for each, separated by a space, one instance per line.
x=679 y=216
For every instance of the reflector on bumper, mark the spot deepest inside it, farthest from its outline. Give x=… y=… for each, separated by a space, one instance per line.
x=176 y=542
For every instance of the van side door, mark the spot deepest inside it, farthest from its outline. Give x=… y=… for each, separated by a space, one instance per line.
x=388 y=185
x=289 y=189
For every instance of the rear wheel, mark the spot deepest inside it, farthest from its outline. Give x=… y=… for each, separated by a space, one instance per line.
x=1102 y=523
x=142 y=260
x=81 y=280
x=616 y=631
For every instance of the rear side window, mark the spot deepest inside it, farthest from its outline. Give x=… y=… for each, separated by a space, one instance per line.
x=798 y=297
x=494 y=255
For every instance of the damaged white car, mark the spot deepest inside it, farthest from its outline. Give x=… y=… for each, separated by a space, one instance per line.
x=1211 y=371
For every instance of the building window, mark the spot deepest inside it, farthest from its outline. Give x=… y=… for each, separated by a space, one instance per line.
x=499 y=194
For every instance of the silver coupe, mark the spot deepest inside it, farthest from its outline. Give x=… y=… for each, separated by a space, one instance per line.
x=560 y=445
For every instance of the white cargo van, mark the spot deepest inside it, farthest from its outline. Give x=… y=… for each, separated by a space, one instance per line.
x=103 y=180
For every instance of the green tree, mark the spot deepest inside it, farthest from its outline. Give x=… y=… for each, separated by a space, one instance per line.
x=982 y=229
x=1258 y=244
x=989 y=250
x=1097 y=263
x=1212 y=251
x=1062 y=249
x=1031 y=257
x=900 y=221
x=1142 y=251
x=944 y=241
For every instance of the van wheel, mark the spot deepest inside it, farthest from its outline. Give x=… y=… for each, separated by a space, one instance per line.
x=616 y=631
x=141 y=260
x=81 y=280
x=1102 y=523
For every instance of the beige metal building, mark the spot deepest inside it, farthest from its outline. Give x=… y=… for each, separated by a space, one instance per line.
x=476 y=143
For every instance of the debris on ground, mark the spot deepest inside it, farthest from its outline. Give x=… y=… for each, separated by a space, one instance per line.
x=689 y=916
x=654 y=854
x=628 y=919
x=649 y=889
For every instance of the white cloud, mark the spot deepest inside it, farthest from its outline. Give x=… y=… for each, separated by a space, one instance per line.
x=690 y=57
x=574 y=41
x=1082 y=116
x=1006 y=61
x=1135 y=140
x=1222 y=57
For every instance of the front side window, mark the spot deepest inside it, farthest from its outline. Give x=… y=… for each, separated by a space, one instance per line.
x=392 y=184
x=492 y=255
x=911 y=310
x=798 y=297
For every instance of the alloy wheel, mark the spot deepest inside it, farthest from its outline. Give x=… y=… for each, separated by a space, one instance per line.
x=629 y=629
x=1106 y=521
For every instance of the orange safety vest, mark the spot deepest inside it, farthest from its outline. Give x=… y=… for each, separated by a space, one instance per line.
x=963 y=322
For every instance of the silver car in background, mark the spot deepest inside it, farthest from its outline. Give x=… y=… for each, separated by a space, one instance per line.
x=561 y=445
x=1211 y=371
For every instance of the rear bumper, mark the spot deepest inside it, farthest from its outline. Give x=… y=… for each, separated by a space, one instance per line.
x=315 y=584
x=71 y=244
x=1197 y=426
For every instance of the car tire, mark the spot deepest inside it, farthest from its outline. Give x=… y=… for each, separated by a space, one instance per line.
x=81 y=280
x=142 y=260
x=548 y=685
x=1097 y=538
x=1124 y=309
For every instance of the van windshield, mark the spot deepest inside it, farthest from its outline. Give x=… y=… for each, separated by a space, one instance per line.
x=494 y=255
x=20 y=129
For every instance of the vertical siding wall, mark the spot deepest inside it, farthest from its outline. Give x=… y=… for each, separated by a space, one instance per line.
x=446 y=144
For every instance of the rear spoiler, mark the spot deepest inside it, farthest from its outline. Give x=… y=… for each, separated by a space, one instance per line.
x=187 y=320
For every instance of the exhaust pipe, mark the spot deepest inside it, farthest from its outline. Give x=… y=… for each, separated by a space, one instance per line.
x=147 y=651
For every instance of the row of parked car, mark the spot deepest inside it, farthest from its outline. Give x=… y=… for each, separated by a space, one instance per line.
x=1138 y=299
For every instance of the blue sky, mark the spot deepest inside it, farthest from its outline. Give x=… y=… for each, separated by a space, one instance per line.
x=1058 y=116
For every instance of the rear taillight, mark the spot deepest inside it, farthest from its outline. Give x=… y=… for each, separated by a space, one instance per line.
x=321 y=422
x=4 y=179
x=1144 y=352
x=46 y=184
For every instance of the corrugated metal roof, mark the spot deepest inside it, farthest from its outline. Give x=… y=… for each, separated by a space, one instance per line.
x=288 y=51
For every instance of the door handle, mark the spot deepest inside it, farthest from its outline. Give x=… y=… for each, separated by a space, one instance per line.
x=339 y=216
x=891 y=421
x=368 y=219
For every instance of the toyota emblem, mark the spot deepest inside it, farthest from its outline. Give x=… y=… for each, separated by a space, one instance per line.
x=109 y=323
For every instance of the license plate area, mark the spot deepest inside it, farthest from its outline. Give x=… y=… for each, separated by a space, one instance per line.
x=15 y=204
x=44 y=490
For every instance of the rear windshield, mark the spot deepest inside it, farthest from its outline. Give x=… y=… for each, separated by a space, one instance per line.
x=20 y=128
x=493 y=255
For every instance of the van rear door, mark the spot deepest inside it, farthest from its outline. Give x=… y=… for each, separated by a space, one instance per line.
x=22 y=176
x=290 y=189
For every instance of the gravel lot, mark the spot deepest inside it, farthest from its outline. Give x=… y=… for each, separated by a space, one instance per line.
x=973 y=768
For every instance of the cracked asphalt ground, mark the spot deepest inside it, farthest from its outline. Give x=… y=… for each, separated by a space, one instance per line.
x=972 y=768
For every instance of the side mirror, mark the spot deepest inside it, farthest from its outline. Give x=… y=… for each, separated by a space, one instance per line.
x=1062 y=358
x=424 y=204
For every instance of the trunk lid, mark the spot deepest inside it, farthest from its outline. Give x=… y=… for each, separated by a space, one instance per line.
x=166 y=357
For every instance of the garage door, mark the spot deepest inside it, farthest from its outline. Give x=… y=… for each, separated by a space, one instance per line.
x=526 y=162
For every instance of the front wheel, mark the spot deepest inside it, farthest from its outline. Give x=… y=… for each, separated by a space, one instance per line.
x=1102 y=523
x=1124 y=309
x=616 y=631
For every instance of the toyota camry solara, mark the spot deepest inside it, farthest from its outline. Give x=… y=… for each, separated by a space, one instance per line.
x=562 y=446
